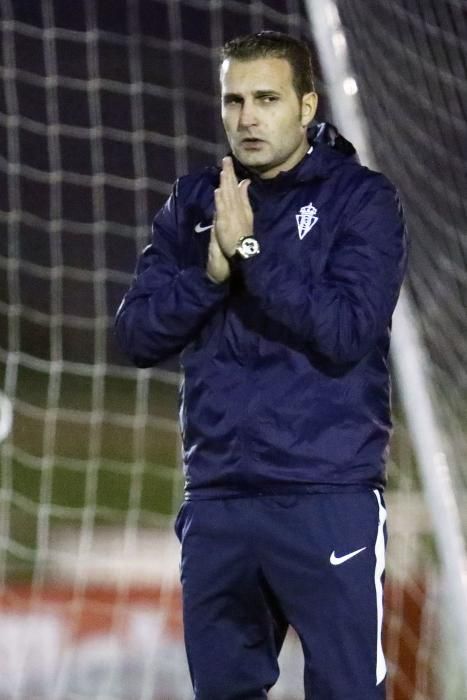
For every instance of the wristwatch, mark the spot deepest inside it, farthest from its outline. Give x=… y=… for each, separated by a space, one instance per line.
x=247 y=247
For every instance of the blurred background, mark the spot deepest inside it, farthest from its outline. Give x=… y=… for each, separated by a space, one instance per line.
x=103 y=104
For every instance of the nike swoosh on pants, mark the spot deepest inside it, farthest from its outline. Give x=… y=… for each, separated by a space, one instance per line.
x=335 y=560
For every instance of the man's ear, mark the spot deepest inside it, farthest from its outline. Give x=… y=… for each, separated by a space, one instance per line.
x=309 y=107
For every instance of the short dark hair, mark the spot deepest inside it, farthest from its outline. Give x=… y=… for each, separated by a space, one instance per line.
x=270 y=44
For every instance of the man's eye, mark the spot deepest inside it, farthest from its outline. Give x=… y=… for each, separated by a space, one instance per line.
x=269 y=98
x=232 y=101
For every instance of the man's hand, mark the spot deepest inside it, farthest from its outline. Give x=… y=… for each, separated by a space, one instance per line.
x=234 y=215
x=218 y=268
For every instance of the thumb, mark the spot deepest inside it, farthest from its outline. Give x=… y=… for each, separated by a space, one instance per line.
x=214 y=245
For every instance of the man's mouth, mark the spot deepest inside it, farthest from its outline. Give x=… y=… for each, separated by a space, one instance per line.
x=251 y=143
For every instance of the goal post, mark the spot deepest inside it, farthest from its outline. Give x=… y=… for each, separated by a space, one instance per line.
x=6 y=416
x=436 y=453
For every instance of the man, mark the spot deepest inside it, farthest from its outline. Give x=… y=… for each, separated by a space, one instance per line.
x=276 y=276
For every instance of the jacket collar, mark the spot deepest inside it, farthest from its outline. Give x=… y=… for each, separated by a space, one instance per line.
x=328 y=149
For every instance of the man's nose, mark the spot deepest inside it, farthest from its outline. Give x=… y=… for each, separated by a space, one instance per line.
x=248 y=116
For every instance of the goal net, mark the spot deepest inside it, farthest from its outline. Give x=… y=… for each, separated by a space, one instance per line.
x=103 y=105
x=410 y=61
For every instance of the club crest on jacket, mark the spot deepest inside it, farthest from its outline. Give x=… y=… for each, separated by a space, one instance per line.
x=306 y=219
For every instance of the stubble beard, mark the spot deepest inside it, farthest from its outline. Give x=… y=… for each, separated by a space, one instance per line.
x=256 y=161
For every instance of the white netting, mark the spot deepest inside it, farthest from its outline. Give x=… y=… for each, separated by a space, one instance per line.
x=103 y=105
x=410 y=62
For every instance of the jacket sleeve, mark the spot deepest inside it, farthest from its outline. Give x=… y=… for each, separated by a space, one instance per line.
x=166 y=304
x=345 y=311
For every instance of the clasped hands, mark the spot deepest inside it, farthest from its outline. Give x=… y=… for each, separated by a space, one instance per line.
x=233 y=219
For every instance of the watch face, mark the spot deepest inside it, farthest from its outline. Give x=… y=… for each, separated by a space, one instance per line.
x=249 y=246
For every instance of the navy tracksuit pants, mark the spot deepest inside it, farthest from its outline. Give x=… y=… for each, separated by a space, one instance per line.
x=252 y=566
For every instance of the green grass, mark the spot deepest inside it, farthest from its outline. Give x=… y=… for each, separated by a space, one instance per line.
x=72 y=460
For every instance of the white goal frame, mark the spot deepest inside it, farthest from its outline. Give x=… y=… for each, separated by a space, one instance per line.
x=6 y=416
x=409 y=357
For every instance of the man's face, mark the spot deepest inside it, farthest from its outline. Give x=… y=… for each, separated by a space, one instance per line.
x=263 y=118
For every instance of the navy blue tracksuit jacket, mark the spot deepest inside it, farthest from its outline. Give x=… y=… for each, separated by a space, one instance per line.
x=286 y=386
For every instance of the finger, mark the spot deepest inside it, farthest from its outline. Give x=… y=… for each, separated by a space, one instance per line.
x=227 y=165
x=228 y=168
x=219 y=199
x=243 y=189
x=218 y=203
x=227 y=189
